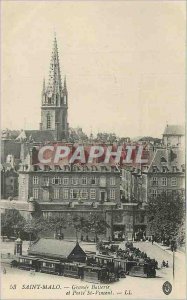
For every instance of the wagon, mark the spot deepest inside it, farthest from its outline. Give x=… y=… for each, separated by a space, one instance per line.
x=98 y=275
x=143 y=270
x=28 y=263
x=50 y=266
x=71 y=270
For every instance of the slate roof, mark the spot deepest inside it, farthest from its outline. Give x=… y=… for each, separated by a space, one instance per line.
x=52 y=248
x=167 y=158
x=37 y=136
x=174 y=130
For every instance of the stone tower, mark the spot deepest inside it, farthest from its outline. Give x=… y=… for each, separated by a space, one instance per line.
x=54 y=107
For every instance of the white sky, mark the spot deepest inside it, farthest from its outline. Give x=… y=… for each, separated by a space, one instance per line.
x=124 y=61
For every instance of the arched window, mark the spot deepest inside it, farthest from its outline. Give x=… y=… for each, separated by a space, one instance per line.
x=48 y=121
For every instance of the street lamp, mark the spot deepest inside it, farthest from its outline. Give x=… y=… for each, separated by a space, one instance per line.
x=173 y=249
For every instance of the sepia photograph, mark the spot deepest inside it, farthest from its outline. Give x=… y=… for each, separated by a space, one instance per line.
x=93 y=199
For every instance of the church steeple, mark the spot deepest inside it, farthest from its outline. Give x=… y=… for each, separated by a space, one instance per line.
x=54 y=98
x=65 y=82
x=43 y=90
x=54 y=88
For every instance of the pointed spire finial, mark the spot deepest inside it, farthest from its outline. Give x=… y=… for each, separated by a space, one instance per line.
x=65 y=81
x=43 y=89
x=55 y=39
x=44 y=84
x=54 y=84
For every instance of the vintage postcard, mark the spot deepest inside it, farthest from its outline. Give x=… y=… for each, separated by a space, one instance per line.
x=93 y=149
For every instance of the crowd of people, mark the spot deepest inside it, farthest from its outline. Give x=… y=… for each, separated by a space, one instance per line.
x=130 y=253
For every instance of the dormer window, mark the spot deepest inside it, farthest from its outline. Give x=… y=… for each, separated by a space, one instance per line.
x=57 y=168
x=164 y=169
x=46 y=168
x=144 y=168
x=66 y=168
x=155 y=169
x=36 y=168
x=113 y=168
x=183 y=168
x=174 y=169
x=103 y=168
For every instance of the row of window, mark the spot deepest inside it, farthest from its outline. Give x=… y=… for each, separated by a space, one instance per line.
x=164 y=169
x=154 y=192
x=47 y=264
x=77 y=168
x=74 y=180
x=74 y=194
x=164 y=181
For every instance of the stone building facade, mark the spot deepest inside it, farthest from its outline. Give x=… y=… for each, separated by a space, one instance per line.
x=70 y=183
x=165 y=174
x=9 y=181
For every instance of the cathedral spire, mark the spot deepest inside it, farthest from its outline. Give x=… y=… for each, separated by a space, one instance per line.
x=44 y=93
x=65 y=85
x=43 y=90
x=54 y=108
x=54 y=88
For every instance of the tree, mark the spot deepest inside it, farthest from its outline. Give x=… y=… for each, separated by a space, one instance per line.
x=97 y=225
x=34 y=226
x=106 y=137
x=165 y=216
x=11 y=222
x=180 y=239
x=79 y=223
x=56 y=224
